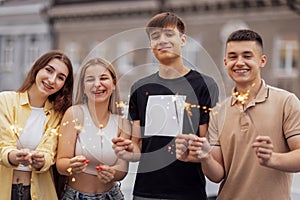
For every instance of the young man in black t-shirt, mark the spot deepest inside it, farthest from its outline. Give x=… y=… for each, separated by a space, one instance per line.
x=160 y=175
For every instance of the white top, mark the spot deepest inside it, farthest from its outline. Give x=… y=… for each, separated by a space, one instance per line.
x=96 y=143
x=32 y=133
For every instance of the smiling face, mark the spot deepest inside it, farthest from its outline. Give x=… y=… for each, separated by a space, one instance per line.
x=166 y=43
x=243 y=62
x=98 y=84
x=51 y=78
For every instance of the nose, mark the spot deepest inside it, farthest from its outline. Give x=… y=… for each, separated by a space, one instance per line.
x=52 y=78
x=162 y=38
x=97 y=83
x=240 y=61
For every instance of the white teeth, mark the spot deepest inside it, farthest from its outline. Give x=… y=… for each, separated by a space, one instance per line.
x=99 y=92
x=47 y=86
x=241 y=70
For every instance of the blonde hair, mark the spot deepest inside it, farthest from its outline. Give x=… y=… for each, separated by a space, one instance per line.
x=80 y=97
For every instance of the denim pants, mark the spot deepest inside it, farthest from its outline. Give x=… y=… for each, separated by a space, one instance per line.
x=113 y=194
x=20 y=192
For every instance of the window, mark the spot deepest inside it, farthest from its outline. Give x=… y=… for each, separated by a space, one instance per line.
x=73 y=51
x=125 y=57
x=32 y=52
x=8 y=54
x=191 y=53
x=286 y=56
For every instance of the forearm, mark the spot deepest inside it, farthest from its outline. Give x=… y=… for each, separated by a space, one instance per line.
x=136 y=154
x=119 y=175
x=11 y=158
x=287 y=162
x=212 y=169
x=63 y=166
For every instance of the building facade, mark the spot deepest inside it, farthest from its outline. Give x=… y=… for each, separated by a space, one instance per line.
x=25 y=33
x=80 y=26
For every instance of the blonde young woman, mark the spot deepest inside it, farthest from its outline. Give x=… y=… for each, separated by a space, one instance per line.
x=85 y=151
x=29 y=118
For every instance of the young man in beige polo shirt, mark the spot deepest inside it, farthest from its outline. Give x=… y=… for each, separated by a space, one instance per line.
x=254 y=135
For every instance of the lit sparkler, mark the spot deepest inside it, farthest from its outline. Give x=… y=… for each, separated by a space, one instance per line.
x=241 y=99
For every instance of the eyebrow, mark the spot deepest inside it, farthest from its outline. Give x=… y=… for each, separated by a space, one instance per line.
x=55 y=70
x=156 y=32
x=168 y=30
x=101 y=75
x=244 y=52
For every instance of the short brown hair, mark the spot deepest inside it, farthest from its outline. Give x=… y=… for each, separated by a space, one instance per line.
x=245 y=35
x=164 y=20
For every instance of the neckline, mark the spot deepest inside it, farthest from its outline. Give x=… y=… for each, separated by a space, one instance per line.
x=180 y=78
x=98 y=126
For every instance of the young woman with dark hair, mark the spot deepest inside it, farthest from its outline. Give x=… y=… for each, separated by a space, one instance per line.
x=29 y=119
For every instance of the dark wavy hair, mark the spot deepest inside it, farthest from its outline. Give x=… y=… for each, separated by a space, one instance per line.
x=62 y=99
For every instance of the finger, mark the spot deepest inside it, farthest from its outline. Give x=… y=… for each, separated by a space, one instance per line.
x=181 y=136
x=265 y=139
x=262 y=145
x=264 y=150
x=181 y=147
x=118 y=139
x=183 y=142
x=120 y=149
x=179 y=152
x=263 y=156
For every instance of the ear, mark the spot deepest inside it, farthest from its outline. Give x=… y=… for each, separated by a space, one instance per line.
x=263 y=61
x=183 y=40
x=225 y=61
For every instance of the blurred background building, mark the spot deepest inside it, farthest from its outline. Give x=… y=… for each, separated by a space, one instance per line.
x=114 y=29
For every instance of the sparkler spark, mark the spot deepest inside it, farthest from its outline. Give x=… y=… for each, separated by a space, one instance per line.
x=241 y=97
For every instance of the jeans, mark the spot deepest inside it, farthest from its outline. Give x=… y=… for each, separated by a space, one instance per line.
x=113 y=194
x=20 y=192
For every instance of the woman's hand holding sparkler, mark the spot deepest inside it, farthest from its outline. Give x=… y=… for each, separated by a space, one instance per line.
x=38 y=160
x=20 y=157
x=77 y=165
x=26 y=157
x=106 y=173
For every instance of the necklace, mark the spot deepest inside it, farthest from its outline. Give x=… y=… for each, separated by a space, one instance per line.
x=100 y=133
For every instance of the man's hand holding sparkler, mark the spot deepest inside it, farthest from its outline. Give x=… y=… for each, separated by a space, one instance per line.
x=263 y=149
x=123 y=148
x=191 y=148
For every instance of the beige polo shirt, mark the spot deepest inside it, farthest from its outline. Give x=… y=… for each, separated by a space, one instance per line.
x=275 y=113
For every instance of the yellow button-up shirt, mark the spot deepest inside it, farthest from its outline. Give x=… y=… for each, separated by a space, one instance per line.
x=14 y=112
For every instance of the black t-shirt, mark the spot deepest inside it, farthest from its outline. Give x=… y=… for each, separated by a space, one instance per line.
x=160 y=175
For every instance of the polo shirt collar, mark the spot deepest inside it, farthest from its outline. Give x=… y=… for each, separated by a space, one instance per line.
x=261 y=96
